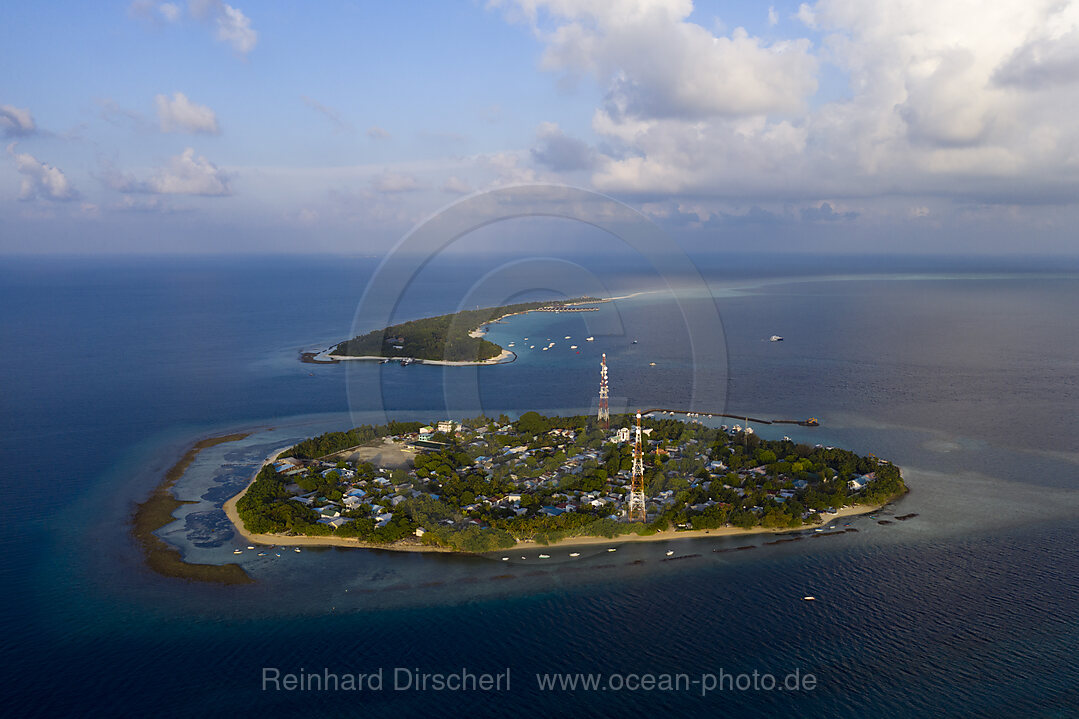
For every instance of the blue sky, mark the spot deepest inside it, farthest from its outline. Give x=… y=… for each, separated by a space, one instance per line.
x=835 y=126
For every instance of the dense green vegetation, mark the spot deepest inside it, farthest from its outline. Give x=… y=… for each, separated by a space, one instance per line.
x=501 y=481
x=439 y=338
x=336 y=441
x=266 y=507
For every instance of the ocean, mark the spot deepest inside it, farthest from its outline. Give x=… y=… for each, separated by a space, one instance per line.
x=964 y=373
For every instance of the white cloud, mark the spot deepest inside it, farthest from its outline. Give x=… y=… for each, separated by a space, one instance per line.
x=507 y=168
x=181 y=115
x=185 y=174
x=773 y=16
x=963 y=99
x=154 y=205
x=559 y=152
x=377 y=133
x=169 y=11
x=189 y=175
x=806 y=15
x=655 y=63
x=456 y=186
x=16 y=122
x=339 y=123
x=393 y=182
x=41 y=180
x=232 y=26
x=155 y=13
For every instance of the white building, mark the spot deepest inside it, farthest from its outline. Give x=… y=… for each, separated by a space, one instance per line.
x=447 y=426
x=623 y=434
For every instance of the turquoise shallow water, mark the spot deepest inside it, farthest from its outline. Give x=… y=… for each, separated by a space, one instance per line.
x=968 y=610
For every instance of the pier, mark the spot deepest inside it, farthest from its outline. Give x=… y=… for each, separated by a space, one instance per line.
x=811 y=422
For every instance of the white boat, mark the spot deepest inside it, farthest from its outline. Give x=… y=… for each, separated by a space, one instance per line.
x=545 y=556
x=775 y=338
x=612 y=549
x=567 y=337
x=250 y=547
x=505 y=559
x=510 y=344
x=525 y=339
x=670 y=552
x=237 y=551
x=573 y=347
x=651 y=364
x=809 y=599
x=531 y=347
x=297 y=550
x=546 y=348
x=262 y=554
x=574 y=554
x=589 y=339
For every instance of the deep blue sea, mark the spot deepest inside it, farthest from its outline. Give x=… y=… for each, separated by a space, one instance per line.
x=964 y=373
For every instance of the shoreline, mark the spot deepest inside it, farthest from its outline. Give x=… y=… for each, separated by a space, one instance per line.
x=854 y=510
x=505 y=357
x=303 y=540
x=156 y=512
x=578 y=541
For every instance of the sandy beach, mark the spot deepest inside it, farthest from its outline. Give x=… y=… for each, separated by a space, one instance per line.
x=283 y=540
x=505 y=357
x=671 y=534
x=414 y=545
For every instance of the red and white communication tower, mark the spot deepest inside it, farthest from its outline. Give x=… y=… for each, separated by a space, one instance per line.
x=637 y=510
x=604 y=406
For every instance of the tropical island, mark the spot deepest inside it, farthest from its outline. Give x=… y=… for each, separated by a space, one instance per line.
x=453 y=338
x=486 y=484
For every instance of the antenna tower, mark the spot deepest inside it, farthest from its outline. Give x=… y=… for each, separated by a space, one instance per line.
x=636 y=487
x=604 y=407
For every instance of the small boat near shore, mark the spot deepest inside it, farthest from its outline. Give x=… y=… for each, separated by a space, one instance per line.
x=545 y=556
x=809 y=599
x=574 y=554
x=775 y=338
